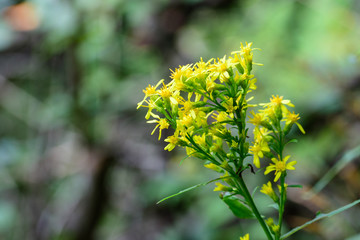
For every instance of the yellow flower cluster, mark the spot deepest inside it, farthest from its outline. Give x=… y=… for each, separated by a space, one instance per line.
x=201 y=103
x=206 y=102
x=269 y=130
x=206 y=105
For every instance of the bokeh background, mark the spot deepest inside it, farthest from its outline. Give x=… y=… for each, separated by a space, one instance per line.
x=77 y=158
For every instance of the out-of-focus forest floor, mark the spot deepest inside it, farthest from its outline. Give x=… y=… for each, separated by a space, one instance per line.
x=77 y=160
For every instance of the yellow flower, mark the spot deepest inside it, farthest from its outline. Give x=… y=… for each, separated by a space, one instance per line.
x=203 y=65
x=201 y=119
x=201 y=70
x=173 y=141
x=269 y=222
x=223 y=188
x=181 y=74
x=187 y=106
x=280 y=166
x=268 y=190
x=261 y=134
x=229 y=105
x=246 y=237
x=269 y=111
x=257 y=119
x=291 y=118
x=275 y=228
x=187 y=121
x=252 y=83
x=257 y=150
x=246 y=57
x=276 y=100
x=200 y=140
x=246 y=51
x=236 y=59
x=149 y=91
x=223 y=66
x=162 y=123
x=210 y=84
x=234 y=144
x=221 y=118
x=213 y=167
x=165 y=92
x=150 y=105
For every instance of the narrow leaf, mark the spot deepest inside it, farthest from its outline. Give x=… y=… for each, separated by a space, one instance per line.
x=319 y=217
x=295 y=186
x=294 y=140
x=238 y=208
x=346 y=159
x=182 y=160
x=254 y=191
x=274 y=205
x=191 y=188
x=181 y=192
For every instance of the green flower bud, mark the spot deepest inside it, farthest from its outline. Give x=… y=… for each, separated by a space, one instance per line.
x=287 y=128
x=266 y=125
x=199 y=104
x=278 y=112
x=239 y=68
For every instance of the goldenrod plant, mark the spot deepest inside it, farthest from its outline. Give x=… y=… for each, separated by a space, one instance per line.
x=207 y=105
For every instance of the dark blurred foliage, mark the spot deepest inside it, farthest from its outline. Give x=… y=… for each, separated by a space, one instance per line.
x=77 y=159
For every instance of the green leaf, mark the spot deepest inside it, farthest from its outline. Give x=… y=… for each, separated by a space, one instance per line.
x=294 y=140
x=191 y=188
x=238 y=208
x=318 y=217
x=254 y=191
x=295 y=186
x=343 y=162
x=274 y=205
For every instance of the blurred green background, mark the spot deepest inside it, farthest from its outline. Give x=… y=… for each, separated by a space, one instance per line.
x=77 y=159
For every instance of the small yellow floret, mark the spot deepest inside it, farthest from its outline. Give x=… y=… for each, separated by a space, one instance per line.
x=165 y=92
x=279 y=166
x=268 y=190
x=213 y=167
x=173 y=141
x=221 y=187
x=162 y=123
x=246 y=237
x=258 y=150
x=257 y=118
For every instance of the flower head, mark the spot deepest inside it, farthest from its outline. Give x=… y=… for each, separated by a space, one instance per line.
x=291 y=118
x=229 y=106
x=149 y=91
x=246 y=237
x=220 y=187
x=258 y=150
x=257 y=119
x=173 y=141
x=268 y=190
x=213 y=167
x=162 y=123
x=280 y=166
x=276 y=100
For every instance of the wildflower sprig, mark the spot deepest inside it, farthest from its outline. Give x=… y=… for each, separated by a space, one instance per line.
x=207 y=104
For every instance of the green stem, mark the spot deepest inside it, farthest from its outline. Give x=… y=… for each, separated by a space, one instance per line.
x=252 y=205
x=282 y=205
